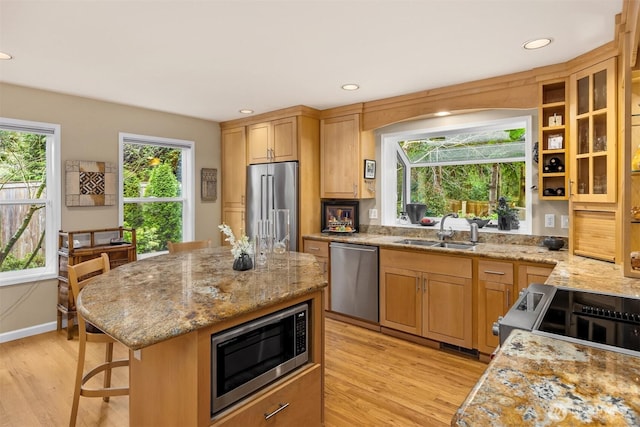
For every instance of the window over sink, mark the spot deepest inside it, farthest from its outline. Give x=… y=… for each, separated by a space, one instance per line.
x=461 y=164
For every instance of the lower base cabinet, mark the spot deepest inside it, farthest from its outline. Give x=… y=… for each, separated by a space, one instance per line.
x=495 y=297
x=427 y=295
x=321 y=251
x=296 y=402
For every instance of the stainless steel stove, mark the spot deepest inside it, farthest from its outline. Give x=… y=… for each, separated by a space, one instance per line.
x=607 y=321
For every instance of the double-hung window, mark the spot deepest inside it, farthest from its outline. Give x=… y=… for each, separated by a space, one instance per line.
x=29 y=200
x=157 y=189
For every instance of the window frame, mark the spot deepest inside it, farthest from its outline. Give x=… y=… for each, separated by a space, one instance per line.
x=52 y=201
x=390 y=155
x=187 y=192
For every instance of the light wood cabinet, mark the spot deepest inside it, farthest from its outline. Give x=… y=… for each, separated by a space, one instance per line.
x=495 y=297
x=532 y=273
x=75 y=247
x=343 y=149
x=427 y=295
x=272 y=141
x=321 y=251
x=234 y=163
x=594 y=133
x=631 y=214
x=553 y=174
x=297 y=402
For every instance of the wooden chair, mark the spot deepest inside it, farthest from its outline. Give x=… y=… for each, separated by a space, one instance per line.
x=80 y=275
x=188 y=246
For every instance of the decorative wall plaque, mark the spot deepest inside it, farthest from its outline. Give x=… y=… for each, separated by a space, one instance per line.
x=208 y=184
x=90 y=183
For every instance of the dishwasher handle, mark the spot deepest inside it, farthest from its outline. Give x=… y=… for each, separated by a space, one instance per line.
x=353 y=247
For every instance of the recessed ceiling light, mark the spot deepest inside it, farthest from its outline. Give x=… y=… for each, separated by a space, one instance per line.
x=536 y=44
x=4 y=55
x=442 y=113
x=246 y=111
x=350 y=86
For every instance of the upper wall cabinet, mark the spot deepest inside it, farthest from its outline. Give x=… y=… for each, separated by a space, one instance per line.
x=273 y=141
x=343 y=149
x=553 y=155
x=593 y=133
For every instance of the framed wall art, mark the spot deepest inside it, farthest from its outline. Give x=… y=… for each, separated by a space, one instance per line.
x=369 y=169
x=90 y=183
x=208 y=184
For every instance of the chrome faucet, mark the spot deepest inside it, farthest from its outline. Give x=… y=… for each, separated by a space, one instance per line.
x=442 y=234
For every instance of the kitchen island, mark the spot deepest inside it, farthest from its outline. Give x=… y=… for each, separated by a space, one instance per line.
x=165 y=309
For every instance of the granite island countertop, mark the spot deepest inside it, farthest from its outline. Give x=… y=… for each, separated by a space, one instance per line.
x=541 y=381
x=158 y=298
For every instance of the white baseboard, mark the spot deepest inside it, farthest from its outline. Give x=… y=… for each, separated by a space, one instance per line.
x=27 y=332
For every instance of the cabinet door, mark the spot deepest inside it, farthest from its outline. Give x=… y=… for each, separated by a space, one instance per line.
x=234 y=164
x=400 y=299
x=285 y=140
x=234 y=218
x=259 y=142
x=532 y=273
x=321 y=251
x=448 y=309
x=593 y=133
x=495 y=297
x=340 y=157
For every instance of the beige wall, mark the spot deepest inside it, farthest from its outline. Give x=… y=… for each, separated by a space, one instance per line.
x=89 y=131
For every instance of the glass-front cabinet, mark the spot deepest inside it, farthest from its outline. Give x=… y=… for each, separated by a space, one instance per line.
x=593 y=140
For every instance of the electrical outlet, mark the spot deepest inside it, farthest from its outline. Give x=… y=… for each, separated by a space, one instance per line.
x=373 y=213
x=549 y=220
x=564 y=221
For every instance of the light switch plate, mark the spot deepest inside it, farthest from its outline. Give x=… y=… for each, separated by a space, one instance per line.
x=564 y=221
x=373 y=213
x=549 y=220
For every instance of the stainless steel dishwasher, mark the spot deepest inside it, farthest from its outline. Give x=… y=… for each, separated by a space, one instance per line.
x=354 y=280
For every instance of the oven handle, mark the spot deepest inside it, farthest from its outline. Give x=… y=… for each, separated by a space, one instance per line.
x=281 y=408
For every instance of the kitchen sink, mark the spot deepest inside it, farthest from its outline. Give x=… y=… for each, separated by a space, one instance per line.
x=453 y=245
x=418 y=242
x=436 y=244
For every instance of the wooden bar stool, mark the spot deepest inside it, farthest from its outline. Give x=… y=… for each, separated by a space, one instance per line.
x=188 y=246
x=80 y=275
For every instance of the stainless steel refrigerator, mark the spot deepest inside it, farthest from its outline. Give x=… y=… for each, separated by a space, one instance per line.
x=272 y=186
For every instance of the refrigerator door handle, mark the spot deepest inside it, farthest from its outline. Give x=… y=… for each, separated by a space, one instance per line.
x=271 y=194
x=264 y=194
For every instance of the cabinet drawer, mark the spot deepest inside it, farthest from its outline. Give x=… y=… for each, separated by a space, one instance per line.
x=298 y=400
x=316 y=248
x=495 y=271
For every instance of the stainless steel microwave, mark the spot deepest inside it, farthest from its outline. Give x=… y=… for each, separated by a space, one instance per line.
x=254 y=354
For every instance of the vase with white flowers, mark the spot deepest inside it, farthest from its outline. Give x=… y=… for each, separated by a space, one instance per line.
x=241 y=248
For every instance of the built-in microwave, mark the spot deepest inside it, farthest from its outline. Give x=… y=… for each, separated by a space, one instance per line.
x=254 y=354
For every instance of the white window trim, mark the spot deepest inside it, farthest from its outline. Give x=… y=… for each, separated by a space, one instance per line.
x=389 y=159
x=52 y=202
x=187 y=197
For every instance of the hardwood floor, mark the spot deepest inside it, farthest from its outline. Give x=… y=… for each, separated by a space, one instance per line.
x=370 y=380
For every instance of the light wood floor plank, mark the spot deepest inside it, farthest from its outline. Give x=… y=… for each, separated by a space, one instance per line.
x=371 y=379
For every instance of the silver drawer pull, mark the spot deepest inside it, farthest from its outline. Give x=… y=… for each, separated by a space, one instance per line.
x=311 y=248
x=282 y=406
x=500 y=273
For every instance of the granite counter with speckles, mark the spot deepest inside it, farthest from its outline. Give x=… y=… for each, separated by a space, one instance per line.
x=155 y=299
x=540 y=381
x=569 y=270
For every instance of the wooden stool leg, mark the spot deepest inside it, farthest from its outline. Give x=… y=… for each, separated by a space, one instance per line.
x=108 y=357
x=70 y=323
x=78 y=383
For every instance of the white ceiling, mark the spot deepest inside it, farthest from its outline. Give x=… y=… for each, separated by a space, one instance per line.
x=210 y=58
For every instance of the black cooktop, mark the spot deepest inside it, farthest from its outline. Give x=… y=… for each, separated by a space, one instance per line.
x=610 y=320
